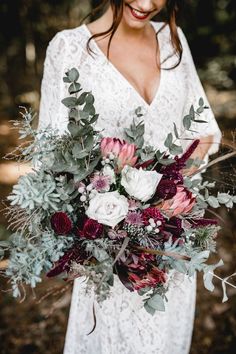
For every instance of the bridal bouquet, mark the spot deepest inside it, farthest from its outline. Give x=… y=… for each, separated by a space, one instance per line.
x=103 y=207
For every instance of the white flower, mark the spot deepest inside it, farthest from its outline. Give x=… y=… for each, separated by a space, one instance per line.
x=108 y=171
x=108 y=208
x=139 y=183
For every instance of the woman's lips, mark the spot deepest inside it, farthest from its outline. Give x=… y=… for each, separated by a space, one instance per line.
x=138 y=14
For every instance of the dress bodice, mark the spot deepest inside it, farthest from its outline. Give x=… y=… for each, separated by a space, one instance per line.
x=115 y=98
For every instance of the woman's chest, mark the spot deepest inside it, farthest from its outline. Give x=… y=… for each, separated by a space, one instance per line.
x=116 y=100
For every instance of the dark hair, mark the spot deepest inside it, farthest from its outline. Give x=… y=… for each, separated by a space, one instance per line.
x=172 y=8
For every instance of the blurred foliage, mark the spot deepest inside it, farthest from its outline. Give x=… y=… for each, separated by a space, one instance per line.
x=26 y=27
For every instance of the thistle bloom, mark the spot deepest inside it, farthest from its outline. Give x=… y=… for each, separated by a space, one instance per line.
x=134 y=218
x=181 y=203
x=100 y=182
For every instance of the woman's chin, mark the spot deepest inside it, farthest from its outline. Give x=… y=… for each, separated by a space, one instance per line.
x=133 y=22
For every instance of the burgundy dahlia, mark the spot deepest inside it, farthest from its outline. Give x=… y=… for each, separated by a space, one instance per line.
x=91 y=229
x=61 y=223
x=152 y=213
x=166 y=189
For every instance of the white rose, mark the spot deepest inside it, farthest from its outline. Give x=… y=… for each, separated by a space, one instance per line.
x=108 y=171
x=139 y=183
x=108 y=208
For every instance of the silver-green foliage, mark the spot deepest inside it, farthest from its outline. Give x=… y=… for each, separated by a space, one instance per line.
x=28 y=259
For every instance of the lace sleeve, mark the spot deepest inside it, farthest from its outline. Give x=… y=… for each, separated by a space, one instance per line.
x=194 y=92
x=51 y=110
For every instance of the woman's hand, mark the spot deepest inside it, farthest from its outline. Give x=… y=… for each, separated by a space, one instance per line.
x=199 y=153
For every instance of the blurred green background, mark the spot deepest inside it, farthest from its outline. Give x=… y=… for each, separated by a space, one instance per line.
x=26 y=27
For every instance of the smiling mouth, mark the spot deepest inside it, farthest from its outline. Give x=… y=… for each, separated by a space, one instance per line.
x=139 y=14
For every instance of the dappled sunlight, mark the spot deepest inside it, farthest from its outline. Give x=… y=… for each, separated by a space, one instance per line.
x=11 y=171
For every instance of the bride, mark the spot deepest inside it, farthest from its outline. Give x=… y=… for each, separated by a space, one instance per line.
x=129 y=61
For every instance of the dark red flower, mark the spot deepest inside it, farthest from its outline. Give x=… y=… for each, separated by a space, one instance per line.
x=89 y=228
x=174 y=226
x=203 y=222
x=153 y=213
x=75 y=254
x=61 y=223
x=166 y=189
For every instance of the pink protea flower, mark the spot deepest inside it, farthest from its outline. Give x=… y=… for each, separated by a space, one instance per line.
x=126 y=156
x=100 y=182
x=134 y=218
x=181 y=203
x=110 y=145
x=133 y=204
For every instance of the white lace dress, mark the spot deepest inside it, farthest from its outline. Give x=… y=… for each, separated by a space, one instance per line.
x=123 y=326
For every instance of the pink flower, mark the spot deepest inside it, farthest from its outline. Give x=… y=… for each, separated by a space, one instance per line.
x=181 y=203
x=100 y=182
x=123 y=151
x=126 y=156
x=109 y=145
x=134 y=218
x=133 y=204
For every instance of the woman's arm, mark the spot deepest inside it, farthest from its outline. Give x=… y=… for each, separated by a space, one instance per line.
x=51 y=109
x=208 y=133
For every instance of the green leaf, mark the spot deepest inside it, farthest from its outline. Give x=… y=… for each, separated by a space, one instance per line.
x=76 y=149
x=74 y=87
x=176 y=149
x=200 y=121
x=166 y=162
x=89 y=99
x=89 y=107
x=176 y=131
x=200 y=110
x=223 y=198
x=94 y=118
x=201 y=102
x=73 y=74
x=66 y=79
x=192 y=113
x=82 y=174
x=213 y=202
x=74 y=129
x=169 y=140
x=70 y=102
x=156 y=302
x=74 y=114
x=81 y=99
x=187 y=122
x=149 y=309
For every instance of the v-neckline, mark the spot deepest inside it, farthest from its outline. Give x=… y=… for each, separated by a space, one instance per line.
x=123 y=78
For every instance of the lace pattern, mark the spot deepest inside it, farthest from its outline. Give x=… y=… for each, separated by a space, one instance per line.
x=123 y=326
